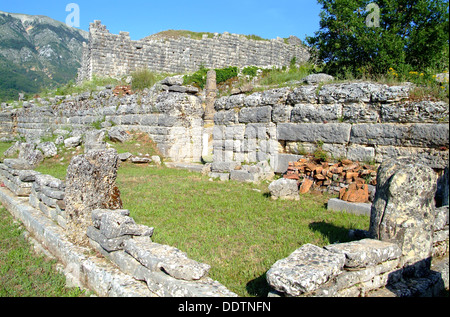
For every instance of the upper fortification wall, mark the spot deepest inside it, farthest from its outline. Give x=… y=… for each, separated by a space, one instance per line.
x=115 y=55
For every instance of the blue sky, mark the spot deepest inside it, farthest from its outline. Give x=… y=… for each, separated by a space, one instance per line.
x=268 y=19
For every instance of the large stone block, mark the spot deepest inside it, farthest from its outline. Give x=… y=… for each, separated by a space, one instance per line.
x=284 y=189
x=403 y=211
x=256 y=115
x=366 y=252
x=90 y=185
x=158 y=257
x=312 y=132
x=416 y=135
x=308 y=113
x=305 y=270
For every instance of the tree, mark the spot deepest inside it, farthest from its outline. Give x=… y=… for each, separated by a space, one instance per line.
x=412 y=34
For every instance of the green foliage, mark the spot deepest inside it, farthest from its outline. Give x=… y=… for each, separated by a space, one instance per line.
x=251 y=71
x=412 y=34
x=86 y=86
x=280 y=77
x=199 y=77
x=226 y=73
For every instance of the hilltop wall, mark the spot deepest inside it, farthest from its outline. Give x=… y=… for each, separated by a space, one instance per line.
x=115 y=55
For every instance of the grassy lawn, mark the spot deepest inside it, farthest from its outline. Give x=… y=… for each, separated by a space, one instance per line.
x=22 y=272
x=234 y=227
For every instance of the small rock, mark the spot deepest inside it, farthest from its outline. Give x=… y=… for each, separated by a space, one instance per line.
x=72 y=142
x=140 y=160
x=118 y=134
x=48 y=149
x=284 y=189
x=317 y=78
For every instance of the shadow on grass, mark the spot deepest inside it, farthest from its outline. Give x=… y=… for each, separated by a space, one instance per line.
x=258 y=287
x=334 y=233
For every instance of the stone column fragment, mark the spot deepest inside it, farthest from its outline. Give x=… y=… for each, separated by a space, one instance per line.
x=403 y=211
x=90 y=185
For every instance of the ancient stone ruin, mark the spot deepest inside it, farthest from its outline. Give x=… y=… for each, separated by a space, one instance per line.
x=394 y=258
x=90 y=185
x=114 y=55
x=244 y=136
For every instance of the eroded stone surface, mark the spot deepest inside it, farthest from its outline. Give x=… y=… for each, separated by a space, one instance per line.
x=403 y=210
x=90 y=185
x=305 y=270
x=365 y=253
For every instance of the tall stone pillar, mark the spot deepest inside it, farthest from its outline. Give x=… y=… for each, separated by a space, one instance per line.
x=403 y=211
x=90 y=185
x=211 y=95
x=210 y=99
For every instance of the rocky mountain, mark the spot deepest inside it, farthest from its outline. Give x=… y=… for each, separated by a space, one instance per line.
x=37 y=52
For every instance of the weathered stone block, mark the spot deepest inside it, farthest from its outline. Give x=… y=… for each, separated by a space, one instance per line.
x=418 y=135
x=172 y=261
x=366 y=253
x=114 y=224
x=312 y=132
x=336 y=204
x=109 y=244
x=243 y=176
x=284 y=189
x=90 y=185
x=256 y=115
x=403 y=211
x=309 y=113
x=304 y=270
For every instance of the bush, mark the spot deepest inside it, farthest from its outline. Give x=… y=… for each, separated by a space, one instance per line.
x=199 y=77
x=142 y=79
x=251 y=71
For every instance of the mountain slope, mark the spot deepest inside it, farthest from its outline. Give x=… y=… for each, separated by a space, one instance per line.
x=36 y=52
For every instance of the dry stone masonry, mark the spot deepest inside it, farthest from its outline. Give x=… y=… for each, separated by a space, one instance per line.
x=395 y=257
x=359 y=121
x=94 y=220
x=113 y=55
x=90 y=184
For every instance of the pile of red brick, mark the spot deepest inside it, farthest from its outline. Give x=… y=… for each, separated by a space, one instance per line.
x=122 y=91
x=349 y=178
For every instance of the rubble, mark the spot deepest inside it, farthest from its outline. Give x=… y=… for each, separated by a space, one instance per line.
x=122 y=90
x=352 y=180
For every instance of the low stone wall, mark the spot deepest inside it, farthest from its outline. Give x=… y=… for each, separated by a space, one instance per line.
x=359 y=121
x=165 y=270
x=116 y=55
x=392 y=259
x=173 y=120
x=343 y=270
x=47 y=195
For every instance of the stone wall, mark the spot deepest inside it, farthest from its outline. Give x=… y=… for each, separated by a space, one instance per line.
x=165 y=271
x=359 y=121
x=394 y=258
x=115 y=55
x=173 y=120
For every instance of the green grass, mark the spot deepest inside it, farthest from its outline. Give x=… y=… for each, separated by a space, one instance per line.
x=234 y=227
x=22 y=272
x=282 y=77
